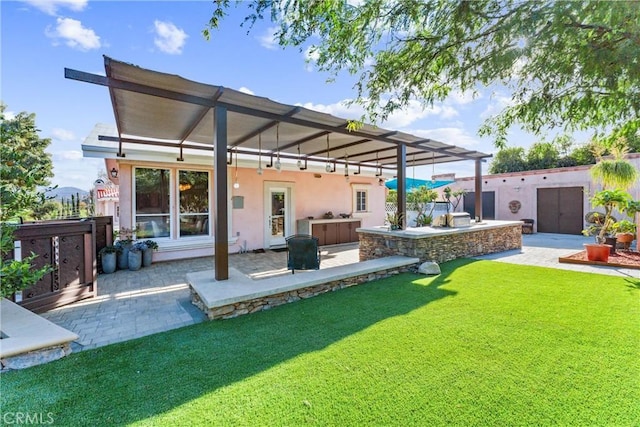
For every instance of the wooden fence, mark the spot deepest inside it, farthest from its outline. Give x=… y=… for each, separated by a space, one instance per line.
x=71 y=248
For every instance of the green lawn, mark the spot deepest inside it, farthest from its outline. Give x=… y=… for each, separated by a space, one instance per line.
x=484 y=343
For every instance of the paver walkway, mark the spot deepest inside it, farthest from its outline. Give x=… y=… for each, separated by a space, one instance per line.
x=132 y=304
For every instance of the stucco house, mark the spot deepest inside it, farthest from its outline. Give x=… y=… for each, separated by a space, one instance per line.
x=205 y=169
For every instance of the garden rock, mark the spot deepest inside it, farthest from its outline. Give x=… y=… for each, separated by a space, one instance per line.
x=429 y=268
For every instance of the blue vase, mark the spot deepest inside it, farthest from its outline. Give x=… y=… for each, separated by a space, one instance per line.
x=135 y=260
x=108 y=262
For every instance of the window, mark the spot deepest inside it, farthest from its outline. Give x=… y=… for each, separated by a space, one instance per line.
x=152 y=187
x=193 y=188
x=360 y=199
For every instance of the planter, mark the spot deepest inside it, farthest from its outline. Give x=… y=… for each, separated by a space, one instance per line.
x=108 y=262
x=625 y=239
x=123 y=257
x=135 y=260
x=147 y=257
x=597 y=252
x=611 y=241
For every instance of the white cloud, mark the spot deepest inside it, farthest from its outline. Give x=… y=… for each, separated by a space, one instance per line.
x=246 y=90
x=51 y=7
x=169 y=38
x=462 y=98
x=62 y=134
x=68 y=155
x=9 y=115
x=268 y=40
x=498 y=103
x=449 y=135
x=75 y=35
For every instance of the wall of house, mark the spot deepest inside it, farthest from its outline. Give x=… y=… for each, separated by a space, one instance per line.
x=523 y=186
x=313 y=194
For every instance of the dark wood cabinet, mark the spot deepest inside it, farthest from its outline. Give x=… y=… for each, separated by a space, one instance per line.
x=331 y=232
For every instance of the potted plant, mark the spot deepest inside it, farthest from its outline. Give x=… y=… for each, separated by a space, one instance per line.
x=124 y=242
x=108 y=256
x=609 y=200
x=147 y=253
x=625 y=232
x=394 y=220
x=135 y=256
x=419 y=199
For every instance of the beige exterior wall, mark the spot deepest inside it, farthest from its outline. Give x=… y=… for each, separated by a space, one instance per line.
x=523 y=186
x=312 y=194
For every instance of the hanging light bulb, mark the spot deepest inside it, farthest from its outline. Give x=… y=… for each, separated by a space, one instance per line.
x=259 y=154
x=278 y=165
x=236 y=184
x=346 y=167
x=328 y=166
x=299 y=162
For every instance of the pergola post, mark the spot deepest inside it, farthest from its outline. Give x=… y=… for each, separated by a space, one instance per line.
x=401 y=158
x=220 y=204
x=478 y=189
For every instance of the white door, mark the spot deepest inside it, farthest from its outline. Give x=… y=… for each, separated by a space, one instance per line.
x=278 y=214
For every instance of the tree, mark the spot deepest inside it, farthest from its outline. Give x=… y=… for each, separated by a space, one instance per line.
x=510 y=159
x=25 y=166
x=569 y=65
x=542 y=155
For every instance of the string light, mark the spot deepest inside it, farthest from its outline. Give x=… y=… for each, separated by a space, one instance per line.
x=236 y=184
x=328 y=166
x=278 y=165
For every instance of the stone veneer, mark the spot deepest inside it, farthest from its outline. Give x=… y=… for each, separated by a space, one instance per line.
x=270 y=301
x=441 y=246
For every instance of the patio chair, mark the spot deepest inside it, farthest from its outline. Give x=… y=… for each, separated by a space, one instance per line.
x=527 y=226
x=303 y=253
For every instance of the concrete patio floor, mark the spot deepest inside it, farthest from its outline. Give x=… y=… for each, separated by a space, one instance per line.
x=132 y=304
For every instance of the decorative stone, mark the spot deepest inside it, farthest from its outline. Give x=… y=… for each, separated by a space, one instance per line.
x=429 y=268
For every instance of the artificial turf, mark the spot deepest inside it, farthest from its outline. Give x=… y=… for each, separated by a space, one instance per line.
x=484 y=343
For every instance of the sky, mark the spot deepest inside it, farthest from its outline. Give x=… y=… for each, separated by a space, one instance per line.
x=39 y=38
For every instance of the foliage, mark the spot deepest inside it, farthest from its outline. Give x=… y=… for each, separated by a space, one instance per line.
x=138 y=246
x=570 y=66
x=452 y=198
x=469 y=347
x=616 y=172
x=125 y=235
x=110 y=249
x=419 y=199
x=623 y=226
x=151 y=244
x=24 y=167
x=392 y=197
x=509 y=159
x=609 y=200
x=16 y=275
x=395 y=220
x=542 y=155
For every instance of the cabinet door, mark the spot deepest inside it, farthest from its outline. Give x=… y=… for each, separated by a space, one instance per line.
x=344 y=232
x=331 y=234
x=317 y=230
x=353 y=236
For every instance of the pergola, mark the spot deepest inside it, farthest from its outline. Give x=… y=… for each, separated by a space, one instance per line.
x=167 y=110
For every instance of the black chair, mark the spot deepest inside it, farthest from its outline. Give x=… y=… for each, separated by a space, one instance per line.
x=302 y=253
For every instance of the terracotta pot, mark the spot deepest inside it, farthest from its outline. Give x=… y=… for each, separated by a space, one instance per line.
x=625 y=237
x=597 y=252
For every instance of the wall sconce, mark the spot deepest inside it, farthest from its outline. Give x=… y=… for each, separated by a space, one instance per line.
x=114 y=173
x=380 y=182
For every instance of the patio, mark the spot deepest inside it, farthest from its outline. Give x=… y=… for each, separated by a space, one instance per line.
x=132 y=304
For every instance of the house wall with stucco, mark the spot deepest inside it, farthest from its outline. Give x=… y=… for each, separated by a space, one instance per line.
x=522 y=187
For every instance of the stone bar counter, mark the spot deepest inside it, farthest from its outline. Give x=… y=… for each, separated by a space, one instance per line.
x=440 y=244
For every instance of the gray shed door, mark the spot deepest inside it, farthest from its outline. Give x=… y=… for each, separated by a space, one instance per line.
x=488 y=204
x=560 y=210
